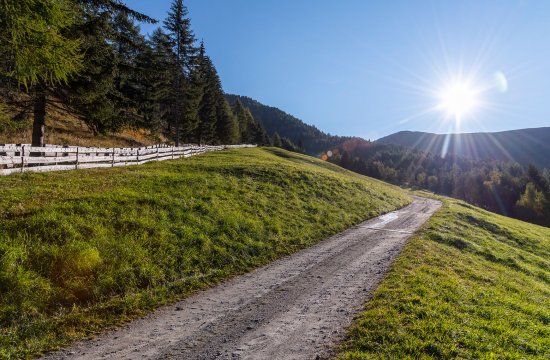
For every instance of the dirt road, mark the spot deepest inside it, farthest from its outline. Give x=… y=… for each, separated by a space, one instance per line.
x=295 y=308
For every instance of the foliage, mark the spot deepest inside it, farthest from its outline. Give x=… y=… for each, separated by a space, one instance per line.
x=493 y=185
x=86 y=249
x=182 y=40
x=251 y=130
x=227 y=126
x=34 y=47
x=36 y=52
x=470 y=285
x=164 y=83
x=109 y=89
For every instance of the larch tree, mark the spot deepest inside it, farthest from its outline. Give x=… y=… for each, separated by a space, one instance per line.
x=36 y=51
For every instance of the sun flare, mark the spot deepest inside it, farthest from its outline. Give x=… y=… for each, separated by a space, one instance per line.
x=458 y=99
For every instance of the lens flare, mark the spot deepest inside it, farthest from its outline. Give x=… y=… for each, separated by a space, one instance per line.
x=458 y=99
x=501 y=82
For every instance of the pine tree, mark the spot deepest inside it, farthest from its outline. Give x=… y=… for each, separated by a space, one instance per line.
x=193 y=93
x=205 y=131
x=251 y=130
x=276 y=140
x=108 y=33
x=130 y=82
x=178 y=26
x=227 y=126
x=243 y=118
x=258 y=134
x=159 y=96
x=36 y=53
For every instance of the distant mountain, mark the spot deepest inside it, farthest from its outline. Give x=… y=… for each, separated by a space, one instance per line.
x=523 y=146
x=312 y=140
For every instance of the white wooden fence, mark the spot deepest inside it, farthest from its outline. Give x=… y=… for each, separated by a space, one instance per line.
x=16 y=158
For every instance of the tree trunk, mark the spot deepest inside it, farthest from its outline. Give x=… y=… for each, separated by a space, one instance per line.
x=39 y=117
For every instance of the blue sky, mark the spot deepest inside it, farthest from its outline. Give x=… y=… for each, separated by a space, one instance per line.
x=371 y=68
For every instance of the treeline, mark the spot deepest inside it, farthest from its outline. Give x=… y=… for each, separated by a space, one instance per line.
x=89 y=55
x=295 y=135
x=502 y=187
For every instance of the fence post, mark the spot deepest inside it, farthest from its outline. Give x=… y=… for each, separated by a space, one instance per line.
x=113 y=157
x=22 y=157
x=137 y=157
x=77 y=150
x=172 y=153
x=158 y=153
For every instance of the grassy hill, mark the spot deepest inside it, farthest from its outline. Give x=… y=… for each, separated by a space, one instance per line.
x=469 y=285
x=523 y=146
x=83 y=250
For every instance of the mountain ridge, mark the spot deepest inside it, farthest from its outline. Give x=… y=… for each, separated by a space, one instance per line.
x=524 y=146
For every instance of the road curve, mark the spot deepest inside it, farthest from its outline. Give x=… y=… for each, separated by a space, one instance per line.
x=295 y=308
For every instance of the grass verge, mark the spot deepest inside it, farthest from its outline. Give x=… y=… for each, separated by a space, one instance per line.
x=470 y=285
x=84 y=250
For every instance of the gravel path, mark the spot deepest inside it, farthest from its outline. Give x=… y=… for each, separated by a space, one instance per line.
x=295 y=308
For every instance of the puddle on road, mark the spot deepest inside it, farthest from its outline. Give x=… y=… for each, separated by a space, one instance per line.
x=386 y=218
x=382 y=220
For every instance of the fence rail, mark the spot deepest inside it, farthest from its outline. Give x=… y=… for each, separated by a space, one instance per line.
x=17 y=158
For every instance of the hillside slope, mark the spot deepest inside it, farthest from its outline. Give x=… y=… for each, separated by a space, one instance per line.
x=523 y=146
x=82 y=250
x=64 y=127
x=469 y=285
x=274 y=120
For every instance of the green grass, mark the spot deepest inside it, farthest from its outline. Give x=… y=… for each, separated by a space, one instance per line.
x=84 y=250
x=469 y=285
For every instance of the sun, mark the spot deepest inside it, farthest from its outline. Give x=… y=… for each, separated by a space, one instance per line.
x=458 y=99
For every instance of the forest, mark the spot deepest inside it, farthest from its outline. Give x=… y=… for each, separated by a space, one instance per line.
x=89 y=56
x=506 y=188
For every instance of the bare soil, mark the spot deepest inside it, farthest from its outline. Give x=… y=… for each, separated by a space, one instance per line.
x=295 y=308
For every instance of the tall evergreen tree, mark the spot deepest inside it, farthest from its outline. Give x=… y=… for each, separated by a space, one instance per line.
x=130 y=84
x=276 y=140
x=251 y=130
x=205 y=131
x=227 y=126
x=243 y=118
x=193 y=91
x=108 y=34
x=178 y=26
x=158 y=62
x=259 y=135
